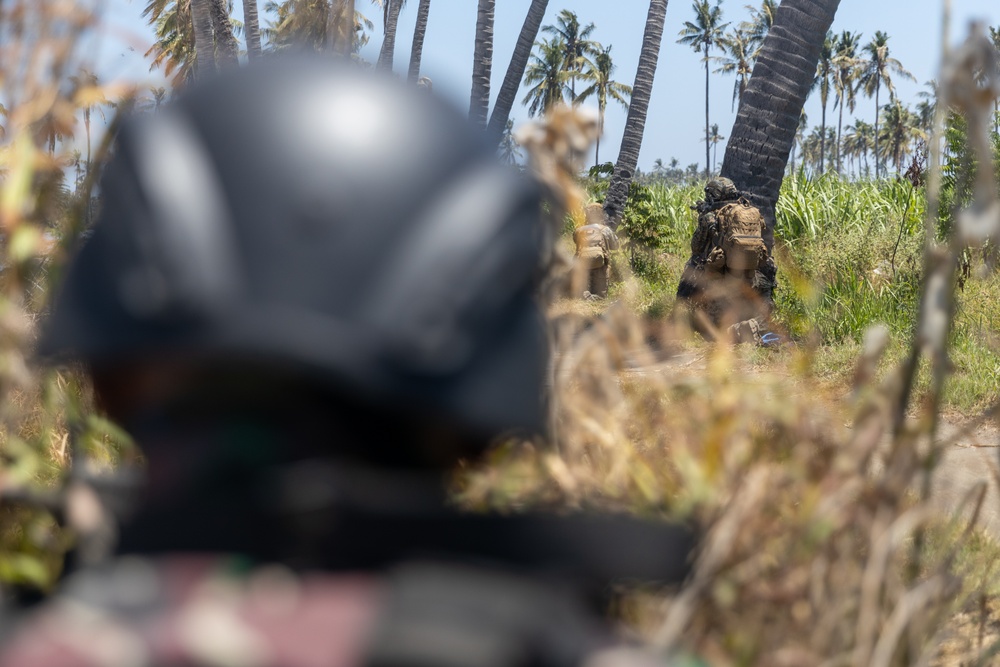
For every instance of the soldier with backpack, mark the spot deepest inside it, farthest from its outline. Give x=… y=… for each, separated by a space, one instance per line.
x=730 y=276
x=298 y=436
x=594 y=242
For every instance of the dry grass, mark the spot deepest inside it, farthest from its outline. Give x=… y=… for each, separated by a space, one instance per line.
x=808 y=556
x=822 y=544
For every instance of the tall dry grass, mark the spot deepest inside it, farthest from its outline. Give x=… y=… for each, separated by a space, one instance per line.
x=822 y=544
x=45 y=420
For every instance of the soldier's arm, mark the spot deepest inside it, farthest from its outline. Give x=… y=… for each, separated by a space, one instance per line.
x=611 y=238
x=703 y=234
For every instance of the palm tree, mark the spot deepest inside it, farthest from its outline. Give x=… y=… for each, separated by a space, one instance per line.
x=782 y=76
x=901 y=131
x=390 y=10
x=509 y=150
x=307 y=23
x=575 y=42
x=482 y=64
x=204 y=45
x=226 y=48
x=418 y=40
x=800 y=132
x=599 y=72
x=845 y=76
x=878 y=72
x=715 y=138
x=53 y=128
x=759 y=24
x=635 y=122
x=340 y=27
x=824 y=74
x=173 y=50
x=859 y=141
x=159 y=96
x=546 y=76
x=995 y=38
x=702 y=35
x=927 y=106
x=515 y=70
x=819 y=140
x=251 y=29
x=738 y=60
x=89 y=97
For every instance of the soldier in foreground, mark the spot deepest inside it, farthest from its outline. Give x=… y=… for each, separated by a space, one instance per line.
x=594 y=243
x=730 y=277
x=306 y=308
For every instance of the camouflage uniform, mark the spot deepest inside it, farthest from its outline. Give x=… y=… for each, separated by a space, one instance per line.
x=741 y=301
x=594 y=244
x=206 y=611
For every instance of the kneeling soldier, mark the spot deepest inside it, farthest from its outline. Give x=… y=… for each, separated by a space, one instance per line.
x=730 y=275
x=594 y=243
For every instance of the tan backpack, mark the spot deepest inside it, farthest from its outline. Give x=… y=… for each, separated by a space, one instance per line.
x=590 y=246
x=740 y=227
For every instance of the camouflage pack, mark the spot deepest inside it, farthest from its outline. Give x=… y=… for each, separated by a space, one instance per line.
x=591 y=246
x=740 y=227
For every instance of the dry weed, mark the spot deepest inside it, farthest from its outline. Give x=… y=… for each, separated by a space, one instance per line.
x=821 y=543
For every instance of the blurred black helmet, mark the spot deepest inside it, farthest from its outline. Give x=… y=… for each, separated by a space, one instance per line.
x=326 y=219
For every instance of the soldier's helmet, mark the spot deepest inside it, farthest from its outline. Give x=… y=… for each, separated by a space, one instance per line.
x=719 y=189
x=326 y=220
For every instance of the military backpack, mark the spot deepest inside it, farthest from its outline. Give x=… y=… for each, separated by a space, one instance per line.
x=740 y=228
x=590 y=246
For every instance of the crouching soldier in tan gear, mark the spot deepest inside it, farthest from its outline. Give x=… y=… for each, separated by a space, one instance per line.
x=594 y=243
x=730 y=276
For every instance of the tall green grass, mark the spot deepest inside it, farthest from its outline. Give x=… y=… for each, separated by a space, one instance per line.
x=812 y=208
x=849 y=257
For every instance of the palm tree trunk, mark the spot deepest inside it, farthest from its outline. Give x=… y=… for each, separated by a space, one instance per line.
x=389 y=42
x=482 y=64
x=86 y=125
x=822 y=140
x=878 y=84
x=227 y=50
x=840 y=126
x=340 y=27
x=416 y=51
x=204 y=44
x=600 y=133
x=707 y=165
x=515 y=71
x=768 y=119
x=635 y=122
x=251 y=28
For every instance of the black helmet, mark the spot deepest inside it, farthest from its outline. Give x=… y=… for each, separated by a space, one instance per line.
x=721 y=188
x=327 y=219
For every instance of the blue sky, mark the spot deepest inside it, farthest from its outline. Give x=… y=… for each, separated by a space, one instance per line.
x=675 y=126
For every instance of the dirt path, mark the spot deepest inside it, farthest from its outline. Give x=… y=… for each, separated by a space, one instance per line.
x=970 y=458
x=974 y=458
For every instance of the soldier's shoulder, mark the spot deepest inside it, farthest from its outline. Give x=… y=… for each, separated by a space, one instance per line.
x=197 y=611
